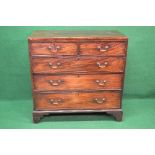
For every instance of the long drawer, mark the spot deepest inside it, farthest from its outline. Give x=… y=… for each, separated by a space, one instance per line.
x=97 y=100
x=83 y=65
x=78 y=82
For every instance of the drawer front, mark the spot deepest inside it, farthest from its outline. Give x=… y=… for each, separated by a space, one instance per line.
x=82 y=65
x=53 y=49
x=78 y=82
x=98 y=100
x=104 y=48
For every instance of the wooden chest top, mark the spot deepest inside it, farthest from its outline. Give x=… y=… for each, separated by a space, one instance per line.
x=46 y=35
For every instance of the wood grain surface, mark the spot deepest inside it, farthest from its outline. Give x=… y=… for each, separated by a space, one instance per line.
x=100 y=100
x=53 y=49
x=85 y=65
x=78 y=82
x=103 y=48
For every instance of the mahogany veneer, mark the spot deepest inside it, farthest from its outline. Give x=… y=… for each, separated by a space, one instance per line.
x=76 y=82
x=87 y=65
x=77 y=71
x=78 y=101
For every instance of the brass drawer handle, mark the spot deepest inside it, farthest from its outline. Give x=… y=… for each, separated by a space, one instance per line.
x=103 y=48
x=55 y=101
x=55 y=82
x=101 y=82
x=54 y=66
x=99 y=100
x=105 y=64
x=54 y=48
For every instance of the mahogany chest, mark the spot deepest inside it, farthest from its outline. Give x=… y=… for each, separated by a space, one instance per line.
x=77 y=71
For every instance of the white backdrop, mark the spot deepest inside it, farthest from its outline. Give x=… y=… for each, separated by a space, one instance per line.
x=77 y=13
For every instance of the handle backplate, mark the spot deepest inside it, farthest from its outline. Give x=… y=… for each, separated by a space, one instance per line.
x=55 y=82
x=102 y=48
x=54 y=66
x=99 y=100
x=105 y=64
x=101 y=82
x=54 y=48
x=55 y=101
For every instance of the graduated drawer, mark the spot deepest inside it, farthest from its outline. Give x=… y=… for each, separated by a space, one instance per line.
x=97 y=100
x=83 y=65
x=53 y=49
x=77 y=82
x=104 y=48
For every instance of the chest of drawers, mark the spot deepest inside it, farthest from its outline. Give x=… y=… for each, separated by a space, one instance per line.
x=77 y=71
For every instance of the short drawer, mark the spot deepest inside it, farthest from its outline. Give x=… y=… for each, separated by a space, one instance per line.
x=104 y=48
x=78 y=82
x=81 y=65
x=98 y=100
x=53 y=49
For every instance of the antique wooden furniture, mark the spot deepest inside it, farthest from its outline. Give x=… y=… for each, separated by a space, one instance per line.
x=77 y=71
